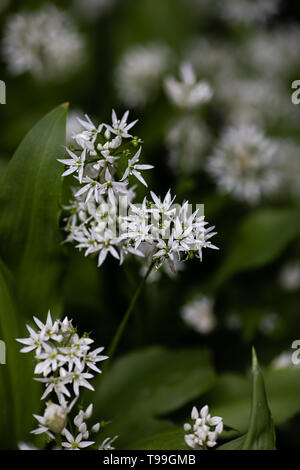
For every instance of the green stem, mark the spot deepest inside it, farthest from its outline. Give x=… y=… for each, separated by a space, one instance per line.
x=127 y=315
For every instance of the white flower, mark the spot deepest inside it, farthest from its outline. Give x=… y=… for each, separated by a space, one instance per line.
x=49 y=360
x=283 y=360
x=49 y=330
x=93 y=357
x=134 y=168
x=24 y=446
x=45 y=43
x=75 y=443
x=205 y=430
x=199 y=314
x=76 y=164
x=140 y=71
x=107 y=443
x=99 y=221
x=80 y=379
x=247 y=11
x=59 y=345
x=35 y=341
x=120 y=127
x=187 y=93
x=54 y=417
x=289 y=276
x=245 y=164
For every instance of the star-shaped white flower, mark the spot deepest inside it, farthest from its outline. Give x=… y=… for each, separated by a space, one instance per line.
x=75 y=163
x=77 y=443
x=134 y=168
x=120 y=127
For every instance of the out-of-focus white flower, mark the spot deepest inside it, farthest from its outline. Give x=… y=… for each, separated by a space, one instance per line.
x=188 y=93
x=259 y=100
x=283 y=360
x=245 y=164
x=45 y=43
x=26 y=446
x=94 y=9
x=73 y=124
x=205 y=431
x=140 y=71
x=107 y=443
x=274 y=53
x=246 y=11
x=199 y=314
x=186 y=139
x=289 y=276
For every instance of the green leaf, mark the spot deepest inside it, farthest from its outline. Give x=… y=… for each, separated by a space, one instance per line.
x=167 y=440
x=259 y=240
x=261 y=433
x=231 y=395
x=149 y=383
x=30 y=200
x=19 y=394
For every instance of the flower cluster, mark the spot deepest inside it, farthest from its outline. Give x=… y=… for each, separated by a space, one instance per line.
x=102 y=216
x=44 y=42
x=64 y=362
x=245 y=163
x=205 y=430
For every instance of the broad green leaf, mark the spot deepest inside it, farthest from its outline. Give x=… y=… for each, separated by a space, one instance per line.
x=19 y=394
x=30 y=200
x=147 y=384
x=261 y=238
x=261 y=433
x=235 y=444
x=167 y=440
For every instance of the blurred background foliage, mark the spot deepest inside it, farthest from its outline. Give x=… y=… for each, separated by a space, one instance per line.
x=248 y=292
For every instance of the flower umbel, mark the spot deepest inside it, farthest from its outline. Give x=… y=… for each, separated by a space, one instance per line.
x=63 y=364
x=205 y=431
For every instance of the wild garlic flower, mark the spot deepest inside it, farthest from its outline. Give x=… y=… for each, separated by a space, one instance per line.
x=45 y=43
x=199 y=314
x=283 y=361
x=245 y=164
x=64 y=361
x=205 y=430
x=273 y=53
x=103 y=217
x=140 y=71
x=289 y=276
x=247 y=12
x=187 y=93
x=107 y=443
x=187 y=138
